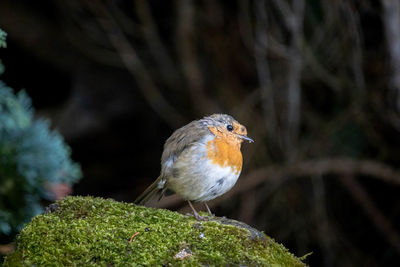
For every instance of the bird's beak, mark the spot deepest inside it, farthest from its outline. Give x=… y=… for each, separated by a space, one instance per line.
x=244 y=137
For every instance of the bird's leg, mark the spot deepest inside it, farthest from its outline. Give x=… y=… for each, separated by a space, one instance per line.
x=208 y=209
x=196 y=215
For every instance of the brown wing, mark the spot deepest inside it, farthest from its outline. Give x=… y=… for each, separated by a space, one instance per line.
x=181 y=139
x=173 y=147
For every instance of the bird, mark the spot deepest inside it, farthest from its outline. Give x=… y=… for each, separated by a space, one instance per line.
x=200 y=161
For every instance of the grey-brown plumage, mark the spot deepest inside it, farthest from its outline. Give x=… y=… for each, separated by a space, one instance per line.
x=173 y=147
x=186 y=164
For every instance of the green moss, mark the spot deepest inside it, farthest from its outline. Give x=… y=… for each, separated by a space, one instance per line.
x=86 y=231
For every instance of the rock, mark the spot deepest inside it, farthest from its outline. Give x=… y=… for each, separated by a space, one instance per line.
x=81 y=231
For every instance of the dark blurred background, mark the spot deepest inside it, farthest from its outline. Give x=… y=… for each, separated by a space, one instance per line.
x=317 y=83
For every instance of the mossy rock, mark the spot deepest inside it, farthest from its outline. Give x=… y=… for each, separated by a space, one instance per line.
x=87 y=231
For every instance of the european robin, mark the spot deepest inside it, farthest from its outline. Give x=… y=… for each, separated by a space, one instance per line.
x=201 y=161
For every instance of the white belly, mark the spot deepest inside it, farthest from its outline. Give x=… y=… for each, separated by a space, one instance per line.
x=217 y=182
x=206 y=181
x=196 y=178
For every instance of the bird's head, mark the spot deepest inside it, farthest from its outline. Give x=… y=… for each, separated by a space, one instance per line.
x=226 y=126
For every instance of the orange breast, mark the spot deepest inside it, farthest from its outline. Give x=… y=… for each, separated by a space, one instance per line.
x=225 y=152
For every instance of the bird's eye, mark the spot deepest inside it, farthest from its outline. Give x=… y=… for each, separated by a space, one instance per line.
x=229 y=128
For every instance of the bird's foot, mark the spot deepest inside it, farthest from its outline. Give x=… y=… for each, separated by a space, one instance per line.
x=196 y=214
x=208 y=209
x=201 y=218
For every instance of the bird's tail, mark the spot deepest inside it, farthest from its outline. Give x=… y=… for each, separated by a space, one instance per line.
x=150 y=191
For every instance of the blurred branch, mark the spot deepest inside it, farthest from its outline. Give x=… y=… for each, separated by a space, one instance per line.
x=86 y=36
x=134 y=65
x=286 y=13
x=322 y=35
x=391 y=19
x=293 y=18
x=323 y=227
x=391 y=22
x=281 y=126
x=373 y=212
x=264 y=76
x=159 y=52
x=318 y=69
x=248 y=205
x=245 y=25
x=355 y=34
x=335 y=47
x=337 y=166
x=186 y=45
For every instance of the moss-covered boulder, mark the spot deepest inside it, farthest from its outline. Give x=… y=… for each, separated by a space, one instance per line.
x=86 y=231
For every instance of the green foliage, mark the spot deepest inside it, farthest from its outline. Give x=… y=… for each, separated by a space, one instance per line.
x=3 y=44
x=3 y=36
x=86 y=231
x=30 y=155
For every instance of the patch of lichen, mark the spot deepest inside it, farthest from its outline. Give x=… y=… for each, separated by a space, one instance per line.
x=87 y=231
